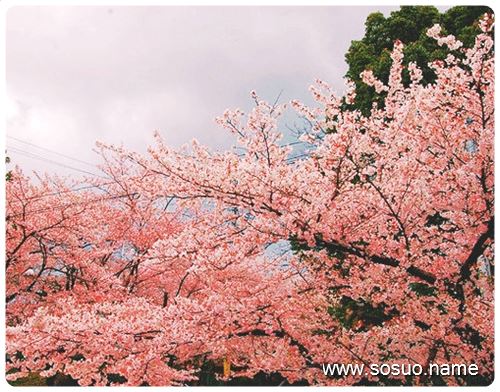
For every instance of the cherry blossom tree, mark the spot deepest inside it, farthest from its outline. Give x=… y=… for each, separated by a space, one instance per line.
x=375 y=247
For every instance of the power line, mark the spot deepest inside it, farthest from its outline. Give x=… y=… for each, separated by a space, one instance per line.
x=98 y=186
x=48 y=160
x=84 y=203
x=51 y=151
x=37 y=197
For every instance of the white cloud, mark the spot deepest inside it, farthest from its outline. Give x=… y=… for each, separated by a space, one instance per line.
x=81 y=74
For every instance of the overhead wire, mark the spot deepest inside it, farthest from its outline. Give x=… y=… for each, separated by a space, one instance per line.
x=33 y=155
x=83 y=203
x=51 y=161
x=51 y=151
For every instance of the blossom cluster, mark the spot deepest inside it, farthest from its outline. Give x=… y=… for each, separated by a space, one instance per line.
x=375 y=246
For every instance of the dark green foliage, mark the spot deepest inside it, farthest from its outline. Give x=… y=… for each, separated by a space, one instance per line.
x=77 y=357
x=436 y=220
x=409 y=25
x=478 y=380
x=264 y=379
x=361 y=314
x=298 y=245
x=116 y=378
x=8 y=174
x=470 y=336
x=31 y=380
x=210 y=370
x=34 y=379
x=422 y=289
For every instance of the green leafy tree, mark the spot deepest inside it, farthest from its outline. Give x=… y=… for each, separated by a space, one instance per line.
x=409 y=25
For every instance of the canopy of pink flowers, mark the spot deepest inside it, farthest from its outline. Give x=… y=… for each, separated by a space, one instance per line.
x=173 y=261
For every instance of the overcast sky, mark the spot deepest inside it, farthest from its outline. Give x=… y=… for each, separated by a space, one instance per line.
x=80 y=74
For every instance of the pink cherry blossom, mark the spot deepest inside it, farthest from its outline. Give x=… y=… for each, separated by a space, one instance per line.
x=184 y=256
